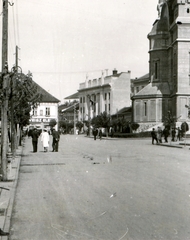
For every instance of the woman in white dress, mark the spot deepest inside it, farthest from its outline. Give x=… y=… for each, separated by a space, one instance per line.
x=45 y=140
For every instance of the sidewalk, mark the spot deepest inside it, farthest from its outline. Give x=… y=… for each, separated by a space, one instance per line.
x=178 y=144
x=7 y=193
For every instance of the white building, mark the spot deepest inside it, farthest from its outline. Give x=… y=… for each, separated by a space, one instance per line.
x=46 y=110
x=105 y=94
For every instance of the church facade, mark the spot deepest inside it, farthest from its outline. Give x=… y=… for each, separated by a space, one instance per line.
x=168 y=90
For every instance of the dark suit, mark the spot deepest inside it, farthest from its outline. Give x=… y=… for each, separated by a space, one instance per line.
x=55 y=143
x=35 y=136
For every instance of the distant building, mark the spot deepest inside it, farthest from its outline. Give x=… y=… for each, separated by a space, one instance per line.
x=105 y=94
x=46 y=110
x=169 y=68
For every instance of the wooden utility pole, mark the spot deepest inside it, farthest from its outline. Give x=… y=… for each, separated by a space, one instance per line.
x=5 y=85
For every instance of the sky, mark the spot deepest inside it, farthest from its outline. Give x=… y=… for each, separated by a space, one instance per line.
x=62 y=41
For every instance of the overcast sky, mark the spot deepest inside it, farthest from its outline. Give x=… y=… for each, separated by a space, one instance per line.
x=61 y=41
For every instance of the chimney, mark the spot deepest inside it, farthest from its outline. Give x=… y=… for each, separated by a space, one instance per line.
x=86 y=81
x=114 y=71
x=102 y=78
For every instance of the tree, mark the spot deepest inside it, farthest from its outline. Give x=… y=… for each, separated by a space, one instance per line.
x=52 y=123
x=102 y=120
x=134 y=126
x=79 y=125
x=22 y=99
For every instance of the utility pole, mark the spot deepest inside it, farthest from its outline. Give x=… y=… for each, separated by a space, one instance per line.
x=5 y=88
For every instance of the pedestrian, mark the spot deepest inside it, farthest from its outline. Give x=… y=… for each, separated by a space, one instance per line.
x=111 y=132
x=166 y=134
x=173 y=134
x=45 y=140
x=178 y=134
x=35 y=136
x=154 y=137
x=159 y=135
x=95 y=133
x=100 y=134
x=56 y=138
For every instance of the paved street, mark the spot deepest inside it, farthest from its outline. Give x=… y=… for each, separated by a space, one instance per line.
x=114 y=189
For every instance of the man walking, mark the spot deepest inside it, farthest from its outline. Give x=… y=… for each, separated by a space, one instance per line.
x=35 y=136
x=154 y=137
x=56 y=137
x=95 y=133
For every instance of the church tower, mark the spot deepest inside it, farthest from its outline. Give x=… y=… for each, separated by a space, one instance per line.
x=169 y=67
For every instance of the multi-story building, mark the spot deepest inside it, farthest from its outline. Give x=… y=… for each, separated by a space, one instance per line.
x=45 y=111
x=169 y=67
x=105 y=94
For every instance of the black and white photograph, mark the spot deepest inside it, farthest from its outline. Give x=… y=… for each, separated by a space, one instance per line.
x=95 y=120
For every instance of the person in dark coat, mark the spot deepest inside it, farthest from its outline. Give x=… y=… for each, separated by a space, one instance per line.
x=178 y=134
x=166 y=134
x=100 y=134
x=173 y=134
x=95 y=133
x=56 y=137
x=154 y=137
x=35 y=136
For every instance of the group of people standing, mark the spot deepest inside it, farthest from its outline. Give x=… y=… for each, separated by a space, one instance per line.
x=176 y=134
x=45 y=139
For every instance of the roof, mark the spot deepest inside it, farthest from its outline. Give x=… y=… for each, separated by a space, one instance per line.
x=71 y=108
x=123 y=111
x=154 y=89
x=73 y=96
x=46 y=96
x=144 y=76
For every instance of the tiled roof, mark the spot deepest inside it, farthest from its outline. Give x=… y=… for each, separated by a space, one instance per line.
x=46 y=97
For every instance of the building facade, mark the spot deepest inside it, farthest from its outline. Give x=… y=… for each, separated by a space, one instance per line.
x=169 y=67
x=105 y=94
x=46 y=110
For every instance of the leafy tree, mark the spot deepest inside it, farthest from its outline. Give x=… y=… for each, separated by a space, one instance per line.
x=102 y=120
x=134 y=126
x=52 y=123
x=22 y=98
x=79 y=125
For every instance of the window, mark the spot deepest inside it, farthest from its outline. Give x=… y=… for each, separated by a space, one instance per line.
x=35 y=112
x=81 y=100
x=41 y=112
x=145 y=108
x=47 y=111
x=137 y=89
x=105 y=107
x=105 y=96
x=109 y=96
x=109 y=107
x=156 y=70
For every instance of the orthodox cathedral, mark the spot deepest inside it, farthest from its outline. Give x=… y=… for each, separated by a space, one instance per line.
x=168 y=90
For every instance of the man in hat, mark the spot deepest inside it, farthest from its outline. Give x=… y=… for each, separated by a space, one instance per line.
x=35 y=136
x=56 y=137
